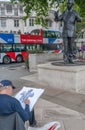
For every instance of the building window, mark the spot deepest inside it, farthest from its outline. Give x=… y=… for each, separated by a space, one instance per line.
x=3 y=22
x=21 y=9
x=9 y=8
x=2 y=11
x=15 y=12
x=25 y=22
x=49 y=23
x=31 y=22
x=16 y=23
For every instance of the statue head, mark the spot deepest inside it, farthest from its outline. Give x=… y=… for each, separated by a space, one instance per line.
x=70 y=1
x=70 y=4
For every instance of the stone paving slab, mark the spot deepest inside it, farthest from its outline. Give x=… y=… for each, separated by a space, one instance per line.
x=74 y=124
x=75 y=101
x=65 y=107
x=46 y=111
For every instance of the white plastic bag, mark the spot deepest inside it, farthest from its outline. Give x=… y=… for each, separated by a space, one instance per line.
x=49 y=126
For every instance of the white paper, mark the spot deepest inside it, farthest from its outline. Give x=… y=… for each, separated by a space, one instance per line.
x=32 y=94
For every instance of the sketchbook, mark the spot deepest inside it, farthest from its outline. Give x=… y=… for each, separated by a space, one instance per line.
x=32 y=94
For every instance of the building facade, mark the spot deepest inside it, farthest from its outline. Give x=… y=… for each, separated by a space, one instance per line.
x=11 y=19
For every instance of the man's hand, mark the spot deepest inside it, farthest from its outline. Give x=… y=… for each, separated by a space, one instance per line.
x=26 y=101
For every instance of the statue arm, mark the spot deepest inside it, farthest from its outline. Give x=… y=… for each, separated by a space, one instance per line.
x=78 y=18
x=58 y=18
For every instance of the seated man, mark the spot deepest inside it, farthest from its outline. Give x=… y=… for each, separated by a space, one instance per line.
x=9 y=104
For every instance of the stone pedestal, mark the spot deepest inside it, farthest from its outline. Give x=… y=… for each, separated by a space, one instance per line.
x=70 y=78
x=35 y=59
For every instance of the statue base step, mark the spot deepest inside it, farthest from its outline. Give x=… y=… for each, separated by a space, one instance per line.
x=70 y=77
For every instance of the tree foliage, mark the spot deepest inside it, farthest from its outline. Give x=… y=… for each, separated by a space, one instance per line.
x=81 y=26
x=41 y=8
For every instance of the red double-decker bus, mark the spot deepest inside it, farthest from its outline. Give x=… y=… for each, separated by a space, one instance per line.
x=14 y=48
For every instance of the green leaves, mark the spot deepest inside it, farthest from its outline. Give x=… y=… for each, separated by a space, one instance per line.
x=41 y=8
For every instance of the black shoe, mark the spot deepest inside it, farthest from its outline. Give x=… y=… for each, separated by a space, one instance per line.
x=71 y=61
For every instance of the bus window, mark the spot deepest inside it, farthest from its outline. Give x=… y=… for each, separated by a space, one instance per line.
x=6 y=48
x=44 y=34
x=58 y=46
x=35 y=32
x=29 y=47
x=52 y=47
x=19 y=47
x=57 y=34
x=49 y=34
x=53 y=34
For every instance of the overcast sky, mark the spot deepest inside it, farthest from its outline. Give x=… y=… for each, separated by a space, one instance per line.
x=4 y=0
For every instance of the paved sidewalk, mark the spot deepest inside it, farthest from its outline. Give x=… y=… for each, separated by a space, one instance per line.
x=66 y=107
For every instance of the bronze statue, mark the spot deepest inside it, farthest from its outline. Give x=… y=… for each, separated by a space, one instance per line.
x=69 y=18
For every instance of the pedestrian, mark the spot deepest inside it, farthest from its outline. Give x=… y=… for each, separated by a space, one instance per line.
x=10 y=105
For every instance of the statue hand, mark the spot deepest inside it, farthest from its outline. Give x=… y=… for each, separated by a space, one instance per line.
x=56 y=15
